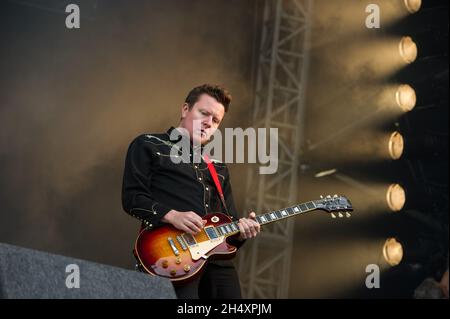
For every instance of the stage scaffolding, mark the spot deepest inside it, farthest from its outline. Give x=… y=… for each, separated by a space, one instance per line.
x=281 y=75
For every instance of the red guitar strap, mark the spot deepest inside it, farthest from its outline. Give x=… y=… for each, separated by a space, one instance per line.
x=215 y=178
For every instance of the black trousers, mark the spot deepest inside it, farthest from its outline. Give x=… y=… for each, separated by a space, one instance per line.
x=216 y=282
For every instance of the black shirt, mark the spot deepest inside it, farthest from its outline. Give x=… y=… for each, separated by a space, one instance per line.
x=153 y=184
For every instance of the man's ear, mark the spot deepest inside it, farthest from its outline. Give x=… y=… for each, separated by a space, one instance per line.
x=184 y=110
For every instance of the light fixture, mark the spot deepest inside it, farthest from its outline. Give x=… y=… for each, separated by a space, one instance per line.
x=395 y=197
x=325 y=173
x=406 y=97
x=413 y=5
x=408 y=49
x=395 y=146
x=392 y=252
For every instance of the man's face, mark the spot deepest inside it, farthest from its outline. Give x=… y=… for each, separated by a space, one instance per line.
x=206 y=114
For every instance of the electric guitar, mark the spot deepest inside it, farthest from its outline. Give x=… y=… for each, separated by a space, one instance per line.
x=179 y=256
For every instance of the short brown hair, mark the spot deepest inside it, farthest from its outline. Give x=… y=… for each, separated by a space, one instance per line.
x=219 y=93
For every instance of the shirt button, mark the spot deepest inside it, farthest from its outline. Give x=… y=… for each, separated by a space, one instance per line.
x=207 y=188
x=195 y=166
x=206 y=205
x=199 y=178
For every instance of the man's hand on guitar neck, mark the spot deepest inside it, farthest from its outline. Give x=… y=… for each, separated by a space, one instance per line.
x=188 y=222
x=248 y=227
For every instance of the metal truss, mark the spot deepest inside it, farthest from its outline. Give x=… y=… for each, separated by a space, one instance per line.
x=264 y=262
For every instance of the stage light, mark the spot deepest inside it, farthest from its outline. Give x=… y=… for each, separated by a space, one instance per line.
x=406 y=97
x=408 y=49
x=413 y=5
x=325 y=173
x=396 y=144
x=392 y=252
x=395 y=197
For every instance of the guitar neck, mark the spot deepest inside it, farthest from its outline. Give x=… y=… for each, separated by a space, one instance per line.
x=263 y=219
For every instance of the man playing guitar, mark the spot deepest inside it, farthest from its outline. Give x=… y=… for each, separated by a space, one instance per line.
x=158 y=191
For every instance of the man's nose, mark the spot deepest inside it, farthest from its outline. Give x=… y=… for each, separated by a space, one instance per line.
x=208 y=121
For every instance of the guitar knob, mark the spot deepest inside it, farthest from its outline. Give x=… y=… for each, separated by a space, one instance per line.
x=173 y=272
x=187 y=268
x=348 y=215
x=333 y=215
x=165 y=263
x=178 y=260
x=340 y=215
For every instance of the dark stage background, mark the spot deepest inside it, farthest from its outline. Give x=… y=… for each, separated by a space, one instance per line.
x=72 y=101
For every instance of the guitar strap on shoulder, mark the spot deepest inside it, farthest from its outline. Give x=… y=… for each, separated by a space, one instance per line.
x=215 y=178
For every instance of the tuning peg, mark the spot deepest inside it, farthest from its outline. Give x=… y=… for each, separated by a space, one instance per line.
x=328 y=196
x=333 y=215
x=321 y=196
x=340 y=215
x=348 y=215
x=335 y=196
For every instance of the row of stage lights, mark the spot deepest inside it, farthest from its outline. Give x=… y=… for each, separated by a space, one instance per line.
x=406 y=100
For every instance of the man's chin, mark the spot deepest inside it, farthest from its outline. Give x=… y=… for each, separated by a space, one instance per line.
x=204 y=141
x=199 y=140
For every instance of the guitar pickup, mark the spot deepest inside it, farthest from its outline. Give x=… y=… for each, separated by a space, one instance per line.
x=211 y=232
x=189 y=239
x=181 y=242
x=172 y=245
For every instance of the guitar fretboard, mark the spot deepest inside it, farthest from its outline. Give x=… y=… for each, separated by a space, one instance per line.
x=233 y=228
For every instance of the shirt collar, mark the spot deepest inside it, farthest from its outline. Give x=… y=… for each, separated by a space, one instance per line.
x=169 y=131
x=177 y=139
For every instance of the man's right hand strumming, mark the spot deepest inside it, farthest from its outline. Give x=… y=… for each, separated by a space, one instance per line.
x=189 y=221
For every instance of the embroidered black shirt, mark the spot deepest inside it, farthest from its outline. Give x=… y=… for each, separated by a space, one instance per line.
x=153 y=184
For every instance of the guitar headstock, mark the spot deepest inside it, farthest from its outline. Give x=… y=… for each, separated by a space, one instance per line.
x=337 y=206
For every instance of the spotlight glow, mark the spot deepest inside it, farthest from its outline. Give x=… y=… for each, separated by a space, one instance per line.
x=408 y=49
x=406 y=97
x=326 y=173
x=392 y=252
x=395 y=197
x=413 y=5
x=396 y=144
